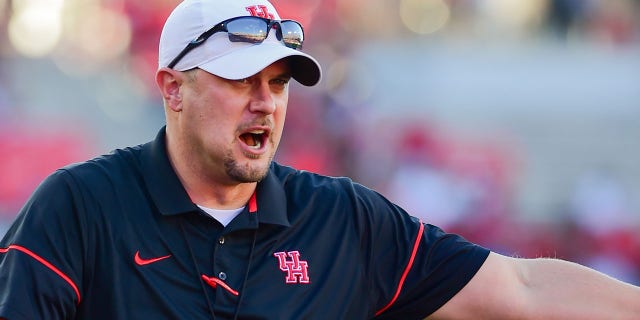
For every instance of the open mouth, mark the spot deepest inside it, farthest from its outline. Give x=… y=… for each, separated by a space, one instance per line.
x=254 y=139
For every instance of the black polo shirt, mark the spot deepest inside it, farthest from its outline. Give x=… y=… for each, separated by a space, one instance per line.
x=117 y=237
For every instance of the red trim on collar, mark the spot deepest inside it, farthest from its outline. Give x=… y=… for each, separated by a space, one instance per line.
x=253 y=203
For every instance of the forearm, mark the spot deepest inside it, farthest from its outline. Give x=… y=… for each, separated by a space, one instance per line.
x=556 y=289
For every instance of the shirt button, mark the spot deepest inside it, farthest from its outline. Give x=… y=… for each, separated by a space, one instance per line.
x=222 y=276
x=221 y=240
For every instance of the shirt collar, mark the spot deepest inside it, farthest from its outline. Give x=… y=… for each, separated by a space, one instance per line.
x=171 y=198
x=162 y=181
x=272 y=199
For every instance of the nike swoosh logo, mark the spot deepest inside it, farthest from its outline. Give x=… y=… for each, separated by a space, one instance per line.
x=142 y=262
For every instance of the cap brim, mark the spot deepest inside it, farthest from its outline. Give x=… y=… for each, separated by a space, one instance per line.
x=247 y=61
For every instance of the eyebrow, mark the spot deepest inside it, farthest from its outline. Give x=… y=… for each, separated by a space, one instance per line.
x=287 y=74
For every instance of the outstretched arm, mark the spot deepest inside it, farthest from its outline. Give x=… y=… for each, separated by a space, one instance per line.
x=513 y=288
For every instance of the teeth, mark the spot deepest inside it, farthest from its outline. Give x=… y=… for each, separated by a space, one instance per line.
x=258 y=143
x=254 y=138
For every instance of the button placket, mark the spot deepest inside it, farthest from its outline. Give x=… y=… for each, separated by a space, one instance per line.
x=220 y=264
x=222 y=275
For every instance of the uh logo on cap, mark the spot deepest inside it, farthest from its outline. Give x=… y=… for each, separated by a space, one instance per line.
x=260 y=11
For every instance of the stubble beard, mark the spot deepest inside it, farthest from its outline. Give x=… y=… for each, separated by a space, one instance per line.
x=246 y=173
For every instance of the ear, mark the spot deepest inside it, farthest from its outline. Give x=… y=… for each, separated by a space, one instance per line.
x=168 y=81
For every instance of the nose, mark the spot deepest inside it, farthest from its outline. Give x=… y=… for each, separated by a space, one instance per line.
x=262 y=99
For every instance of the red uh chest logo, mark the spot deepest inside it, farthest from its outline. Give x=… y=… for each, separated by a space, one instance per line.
x=260 y=11
x=296 y=270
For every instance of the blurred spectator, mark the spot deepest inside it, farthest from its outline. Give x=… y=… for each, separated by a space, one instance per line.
x=600 y=208
x=565 y=16
x=28 y=155
x=600 y=204
x=419 y=182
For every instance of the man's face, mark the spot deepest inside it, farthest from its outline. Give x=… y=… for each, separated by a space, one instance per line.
x=233 y=127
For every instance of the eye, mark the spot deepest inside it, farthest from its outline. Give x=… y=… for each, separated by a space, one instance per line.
x=244 y=80
x=280 y=81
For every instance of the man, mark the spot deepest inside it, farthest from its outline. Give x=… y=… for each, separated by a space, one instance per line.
x=201 y=224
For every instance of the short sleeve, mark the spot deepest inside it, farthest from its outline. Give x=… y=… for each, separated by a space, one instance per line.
x=442 y=265
x=41 y=255
x=414 y=267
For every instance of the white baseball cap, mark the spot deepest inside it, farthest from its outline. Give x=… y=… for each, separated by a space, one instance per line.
x=221 y=57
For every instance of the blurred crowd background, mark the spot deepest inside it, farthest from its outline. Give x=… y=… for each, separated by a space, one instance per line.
x=514 y=123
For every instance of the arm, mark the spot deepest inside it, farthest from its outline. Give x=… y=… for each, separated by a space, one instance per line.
x=512 y=288
x=41 y=256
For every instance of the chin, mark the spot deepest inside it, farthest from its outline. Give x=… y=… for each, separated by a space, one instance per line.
x=252 y=171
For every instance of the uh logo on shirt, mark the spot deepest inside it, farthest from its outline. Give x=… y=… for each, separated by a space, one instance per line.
x=296 y=269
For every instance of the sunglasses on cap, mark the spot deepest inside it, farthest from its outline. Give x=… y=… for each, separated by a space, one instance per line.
x=249 y=29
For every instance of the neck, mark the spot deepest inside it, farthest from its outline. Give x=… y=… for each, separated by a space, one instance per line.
x=220 y=197
x=204 y=187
